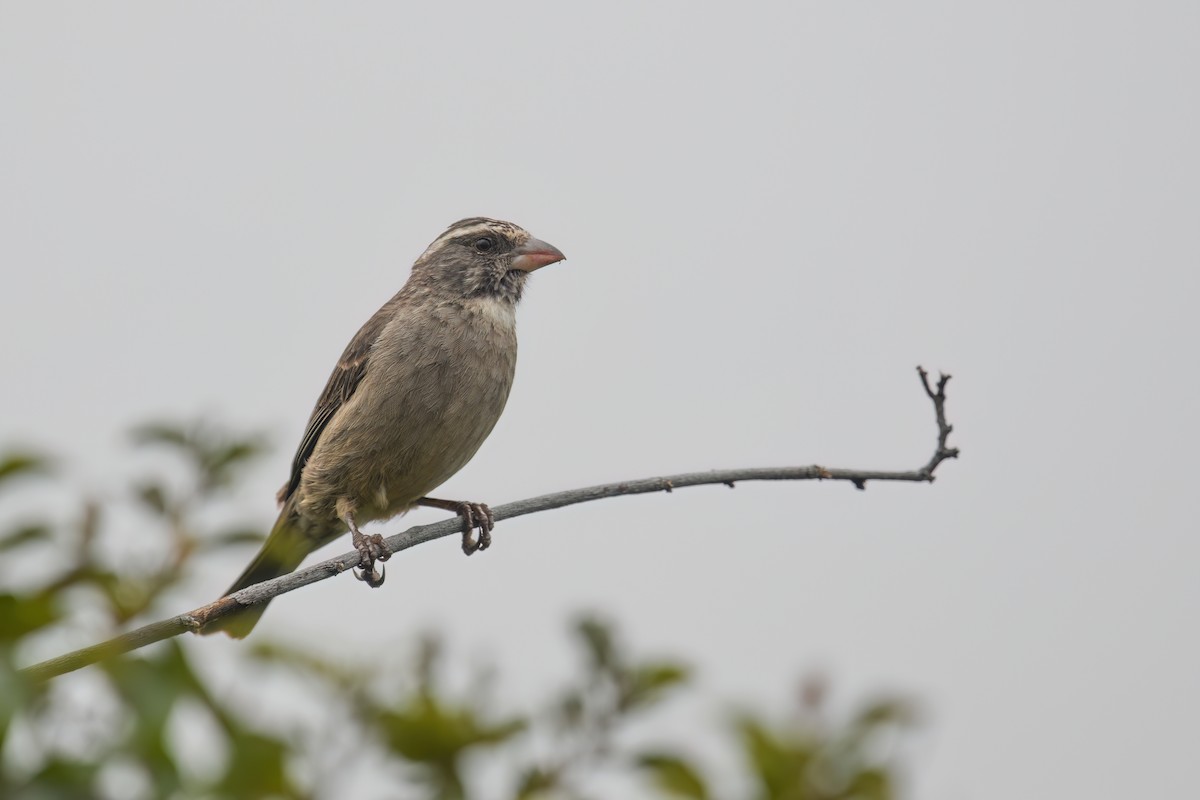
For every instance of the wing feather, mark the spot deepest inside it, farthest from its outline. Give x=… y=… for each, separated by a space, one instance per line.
x=345 y=380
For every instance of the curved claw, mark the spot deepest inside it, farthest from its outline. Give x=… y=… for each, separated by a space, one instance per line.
x=371 y=549
x=375 y=578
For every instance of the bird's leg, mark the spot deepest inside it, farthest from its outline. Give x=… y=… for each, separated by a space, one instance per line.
x=370 y=549
x=475 y=516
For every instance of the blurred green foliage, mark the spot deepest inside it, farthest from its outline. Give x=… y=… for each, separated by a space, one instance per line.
x=108 y=731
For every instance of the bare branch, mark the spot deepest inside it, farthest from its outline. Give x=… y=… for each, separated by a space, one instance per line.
x=196 y=619
x=938 y=397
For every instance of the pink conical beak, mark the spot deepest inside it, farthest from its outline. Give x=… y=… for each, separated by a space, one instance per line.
x=535 y=254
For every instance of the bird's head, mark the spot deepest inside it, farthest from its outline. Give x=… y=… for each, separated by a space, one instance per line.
x=483 y=257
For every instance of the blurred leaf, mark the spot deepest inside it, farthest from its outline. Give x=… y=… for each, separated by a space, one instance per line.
x=258 y=767
x=673 y=775
x=535 y=782
x=435 y=737
x=780 y=767
x=62 y=779
x=162 y=433
x=16 y=692
x=127 y=595
x=646 y=684
x=871 y=784
x=219 y=459
x=26 y=534
x=151 y=687
x=15 y=464
x=570 y=710
x=884 y=712
x=597 y=639
x=214 y=453
x=21 y=615
x=425 y=731
x=154 y=497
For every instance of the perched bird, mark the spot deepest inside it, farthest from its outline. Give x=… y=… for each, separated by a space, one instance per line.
x=414 y=395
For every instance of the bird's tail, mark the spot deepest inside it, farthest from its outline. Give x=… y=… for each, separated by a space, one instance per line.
x=283 y=551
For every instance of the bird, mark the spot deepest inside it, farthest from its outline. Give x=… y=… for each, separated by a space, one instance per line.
x=414 y=395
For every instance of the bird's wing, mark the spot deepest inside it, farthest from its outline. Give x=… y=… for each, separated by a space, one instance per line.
x=346 y=377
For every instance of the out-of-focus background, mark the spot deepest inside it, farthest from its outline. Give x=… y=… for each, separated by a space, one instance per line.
x=772 y=213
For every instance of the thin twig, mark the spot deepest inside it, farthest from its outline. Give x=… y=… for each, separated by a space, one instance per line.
x=196 y=619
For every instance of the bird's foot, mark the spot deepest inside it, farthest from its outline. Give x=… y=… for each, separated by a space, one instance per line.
x=475 y=517
x=370 y=549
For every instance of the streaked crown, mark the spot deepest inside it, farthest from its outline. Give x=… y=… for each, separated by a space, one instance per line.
x=466 y=230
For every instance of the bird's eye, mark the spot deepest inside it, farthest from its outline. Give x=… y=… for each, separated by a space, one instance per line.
x=484 y=243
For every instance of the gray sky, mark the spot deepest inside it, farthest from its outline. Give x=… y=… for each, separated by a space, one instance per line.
x=772 y=213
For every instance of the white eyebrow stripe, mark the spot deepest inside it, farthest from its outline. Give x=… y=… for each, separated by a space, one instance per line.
x=449 y=236
x=486 y=226
x=455 y=233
